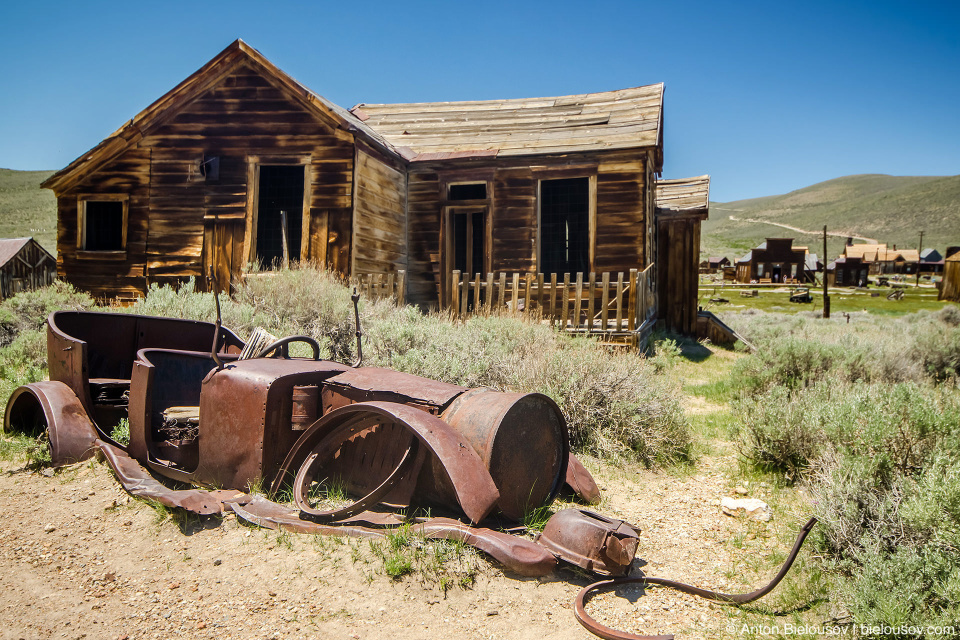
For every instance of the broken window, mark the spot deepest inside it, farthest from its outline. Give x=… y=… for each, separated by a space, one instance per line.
x=565 y=225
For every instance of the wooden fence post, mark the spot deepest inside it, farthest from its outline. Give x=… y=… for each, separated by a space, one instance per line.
x=540 y=304
x=401 y=294
x=516 y=292
x=553 y=298
x=632 y=305
x=488 y=298
x=577 y=301
x=501 y=294
x=454 y=291
x=592 y=286
x=619 y=300
x=604 y=300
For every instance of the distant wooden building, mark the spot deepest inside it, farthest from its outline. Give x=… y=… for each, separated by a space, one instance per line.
x=24 y=265
x=714 y=264
x=777 y=260
x=848 y=271
x=200 y=178
x=884 y=260
x=931 y=261
x=681 y=206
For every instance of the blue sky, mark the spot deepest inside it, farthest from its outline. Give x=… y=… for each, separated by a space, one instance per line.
x=766 y=97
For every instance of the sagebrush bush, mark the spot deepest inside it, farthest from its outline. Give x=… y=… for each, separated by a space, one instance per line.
x=28 y=310
x=798 y=349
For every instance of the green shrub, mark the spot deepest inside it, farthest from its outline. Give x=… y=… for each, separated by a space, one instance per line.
x=29 y=309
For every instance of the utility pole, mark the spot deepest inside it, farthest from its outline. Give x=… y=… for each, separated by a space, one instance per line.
x=918 y=258
x=826 y=295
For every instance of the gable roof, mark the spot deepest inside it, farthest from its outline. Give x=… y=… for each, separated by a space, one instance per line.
x=686 y=195
x=236 y=54
x=866 y=252
x=624 y=119
x=10 y=247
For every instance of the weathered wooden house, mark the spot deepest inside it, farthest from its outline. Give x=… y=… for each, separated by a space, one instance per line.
x=883 y=259
x=848 y=271
x=777 y=260
x=713 y=264
x=201 y=176
x=24 y=265
x=681 y=206
x=950 y=284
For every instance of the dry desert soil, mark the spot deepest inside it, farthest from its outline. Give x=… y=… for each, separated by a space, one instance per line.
x=80 y=559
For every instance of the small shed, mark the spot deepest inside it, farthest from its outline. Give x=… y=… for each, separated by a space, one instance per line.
x=681 y=206
x=24 y=265
x=950 y=286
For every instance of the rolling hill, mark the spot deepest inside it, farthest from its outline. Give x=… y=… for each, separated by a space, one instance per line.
x=26 y=209
x=888 y=209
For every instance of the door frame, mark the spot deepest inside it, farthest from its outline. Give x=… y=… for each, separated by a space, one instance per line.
x=253 y=201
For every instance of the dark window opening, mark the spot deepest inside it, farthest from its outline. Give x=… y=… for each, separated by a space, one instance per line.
x=281 y=189
x=468 y=191
x=468 y=233
x=103 y=225
x=565 y=225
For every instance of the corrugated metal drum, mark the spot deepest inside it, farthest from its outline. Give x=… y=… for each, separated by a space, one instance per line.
x=522 y=439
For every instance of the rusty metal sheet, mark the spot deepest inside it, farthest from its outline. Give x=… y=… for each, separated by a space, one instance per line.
x=519 y=555
x=581 y=482
x=372 y=384
x=72 y=434
x=138 y=482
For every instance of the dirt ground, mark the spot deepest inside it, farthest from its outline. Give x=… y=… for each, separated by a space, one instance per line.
x=80 y=559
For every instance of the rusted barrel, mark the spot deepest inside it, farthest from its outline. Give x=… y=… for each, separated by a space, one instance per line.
x=521 y=438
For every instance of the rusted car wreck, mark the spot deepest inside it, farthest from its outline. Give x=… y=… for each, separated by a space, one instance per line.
x=210 y=410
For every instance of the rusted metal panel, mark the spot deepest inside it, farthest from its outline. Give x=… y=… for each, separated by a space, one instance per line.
x=455 y=476
x=245 y=411
x=137 y=481
x=56 y=407
x=386 y=385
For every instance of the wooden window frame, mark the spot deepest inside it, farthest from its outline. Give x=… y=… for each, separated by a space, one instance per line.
x=449 y=207
x=253 y=201
x=82 y=200
x=564 y=174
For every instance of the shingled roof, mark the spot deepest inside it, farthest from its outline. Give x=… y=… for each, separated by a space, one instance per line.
x=624 y=119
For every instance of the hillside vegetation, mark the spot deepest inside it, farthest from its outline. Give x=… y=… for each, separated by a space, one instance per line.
x=26 y=209
x=890 y=209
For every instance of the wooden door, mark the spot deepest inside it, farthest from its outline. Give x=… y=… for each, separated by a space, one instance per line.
x=223 y=249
